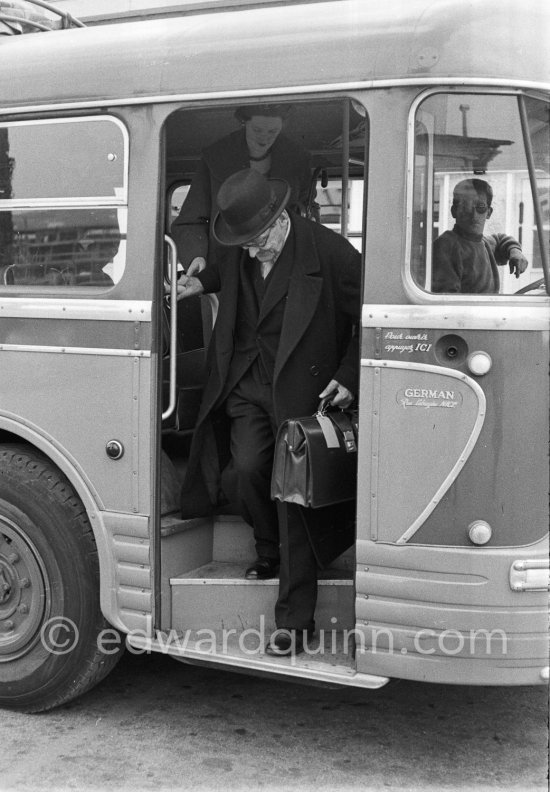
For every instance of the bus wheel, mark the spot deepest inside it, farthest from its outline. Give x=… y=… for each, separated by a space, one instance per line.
x=50 y=618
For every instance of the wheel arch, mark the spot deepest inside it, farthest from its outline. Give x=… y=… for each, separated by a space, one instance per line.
x=14 y=431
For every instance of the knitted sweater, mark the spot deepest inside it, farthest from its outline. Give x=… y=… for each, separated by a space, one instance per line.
x=468 y=263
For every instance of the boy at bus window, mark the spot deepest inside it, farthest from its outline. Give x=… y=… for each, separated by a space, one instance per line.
x=466 y=261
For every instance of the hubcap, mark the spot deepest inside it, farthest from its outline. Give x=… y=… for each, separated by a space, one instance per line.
x=23 y=593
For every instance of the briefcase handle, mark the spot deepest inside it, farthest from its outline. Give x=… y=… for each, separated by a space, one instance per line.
x=339 y=418
x=325 y=404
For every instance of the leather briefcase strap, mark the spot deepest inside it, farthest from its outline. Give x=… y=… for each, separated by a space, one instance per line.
x=329 y=432
x=344 y=422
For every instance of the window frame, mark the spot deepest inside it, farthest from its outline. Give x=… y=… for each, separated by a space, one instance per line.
x=412 y=288
x=118 y=201
x=66 y=201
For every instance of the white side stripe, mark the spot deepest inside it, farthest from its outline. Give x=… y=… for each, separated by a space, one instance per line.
x=40 y=307
x=57 y=350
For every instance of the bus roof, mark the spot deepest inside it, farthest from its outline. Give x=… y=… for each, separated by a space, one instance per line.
x=267 y=50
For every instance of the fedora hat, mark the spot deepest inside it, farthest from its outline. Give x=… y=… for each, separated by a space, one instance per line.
x=248 y=204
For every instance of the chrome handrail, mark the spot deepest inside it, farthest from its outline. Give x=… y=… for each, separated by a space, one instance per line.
x=173 y=281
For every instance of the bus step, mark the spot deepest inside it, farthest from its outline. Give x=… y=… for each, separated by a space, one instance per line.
x=328 y=657
x=234 y=541
x=217 y=596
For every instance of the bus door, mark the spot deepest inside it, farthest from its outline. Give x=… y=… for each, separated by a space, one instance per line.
x=330 y=135
x=452 y=550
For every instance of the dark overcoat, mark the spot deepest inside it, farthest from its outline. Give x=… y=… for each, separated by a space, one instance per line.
x=319 y=338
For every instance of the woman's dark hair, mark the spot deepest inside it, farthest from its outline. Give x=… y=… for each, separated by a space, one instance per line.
x=246 y=112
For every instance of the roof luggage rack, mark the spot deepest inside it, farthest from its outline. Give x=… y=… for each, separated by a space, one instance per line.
x=27 y=16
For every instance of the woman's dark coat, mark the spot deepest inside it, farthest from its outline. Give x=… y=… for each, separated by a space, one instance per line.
x=222 y=159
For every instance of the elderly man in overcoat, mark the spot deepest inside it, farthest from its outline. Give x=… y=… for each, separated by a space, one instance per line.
x=286 y=335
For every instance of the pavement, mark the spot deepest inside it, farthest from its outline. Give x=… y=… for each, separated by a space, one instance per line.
x=157 y=724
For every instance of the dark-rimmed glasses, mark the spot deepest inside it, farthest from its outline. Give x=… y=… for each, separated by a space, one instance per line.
x=479 y=206
x=260 y=241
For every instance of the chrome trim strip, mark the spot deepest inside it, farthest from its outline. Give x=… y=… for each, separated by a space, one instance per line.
x=40 y=307
x=459 y=317
x=186 y=581
x=530 y=575
x=470 y=444
x=359 y=85
x=94 y=202
x=57 y=350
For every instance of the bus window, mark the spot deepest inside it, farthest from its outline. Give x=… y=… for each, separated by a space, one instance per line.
x=330 y=199
x=473 y=211
x=63 y=199
x=177 y=196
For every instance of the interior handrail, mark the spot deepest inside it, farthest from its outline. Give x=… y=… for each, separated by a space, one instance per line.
x=172 y=281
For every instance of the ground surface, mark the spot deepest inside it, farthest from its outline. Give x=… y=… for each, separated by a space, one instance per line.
x=156 y=724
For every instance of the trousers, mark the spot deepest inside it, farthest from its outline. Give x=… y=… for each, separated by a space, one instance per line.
x=280 y=530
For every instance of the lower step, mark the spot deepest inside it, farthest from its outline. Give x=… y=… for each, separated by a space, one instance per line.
x=216 y=596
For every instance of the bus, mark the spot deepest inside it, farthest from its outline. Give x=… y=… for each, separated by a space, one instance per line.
x=101 y=131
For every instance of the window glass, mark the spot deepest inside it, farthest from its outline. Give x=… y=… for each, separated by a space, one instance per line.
x=474 y=217
x=330 y=200
x=177 y=198
x=538 y=120
x=61 y=247
x=64 y=159
x=62 y=203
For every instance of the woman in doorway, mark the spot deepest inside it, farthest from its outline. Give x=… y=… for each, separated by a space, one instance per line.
x=259 y=144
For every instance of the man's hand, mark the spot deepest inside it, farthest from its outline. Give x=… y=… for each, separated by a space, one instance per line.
x=342 y=397
x=197 y=265
x=517 y=263
x=188 y=286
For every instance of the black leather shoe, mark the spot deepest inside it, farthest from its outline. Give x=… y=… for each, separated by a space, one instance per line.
x=290 y=642
x=263 y=569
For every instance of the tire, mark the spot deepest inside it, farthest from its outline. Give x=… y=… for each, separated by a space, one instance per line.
x=50 y=617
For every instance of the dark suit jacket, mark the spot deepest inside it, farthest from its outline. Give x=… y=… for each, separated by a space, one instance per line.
x=219 y=161
x=319 y=339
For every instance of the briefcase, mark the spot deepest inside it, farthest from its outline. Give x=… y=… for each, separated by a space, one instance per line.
x=315 y=461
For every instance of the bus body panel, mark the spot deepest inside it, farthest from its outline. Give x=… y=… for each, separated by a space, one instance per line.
x=442 y=519
x=330 y=43
x=449 y=615
x=455 y=455
x=104 y=399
